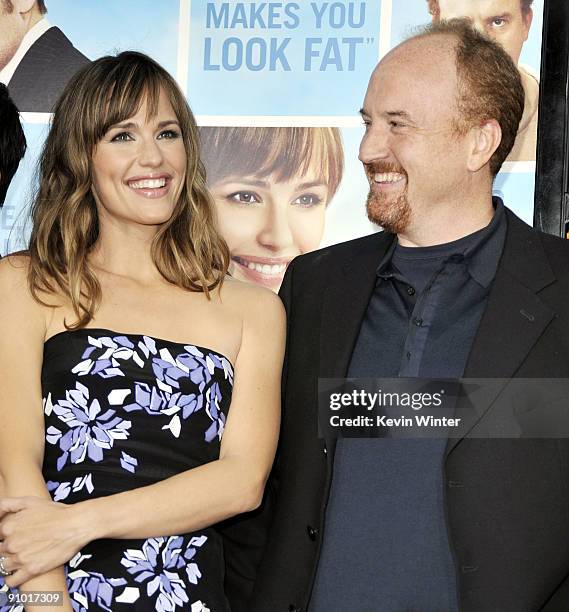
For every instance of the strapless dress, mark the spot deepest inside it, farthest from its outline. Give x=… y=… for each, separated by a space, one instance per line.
x=124 y=411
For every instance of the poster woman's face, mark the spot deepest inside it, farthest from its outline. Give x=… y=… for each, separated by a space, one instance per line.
x=267 y=223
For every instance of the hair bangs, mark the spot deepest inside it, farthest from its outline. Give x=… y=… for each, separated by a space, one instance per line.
x=126 y=89
x=282 y=152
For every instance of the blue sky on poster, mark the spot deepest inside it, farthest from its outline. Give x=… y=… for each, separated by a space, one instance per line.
x=107 y=26
x=321 y=81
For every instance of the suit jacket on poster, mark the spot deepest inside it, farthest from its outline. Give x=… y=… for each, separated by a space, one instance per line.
x=507 y=500
x=44 y=72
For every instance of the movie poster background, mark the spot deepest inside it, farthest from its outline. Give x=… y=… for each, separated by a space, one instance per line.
x=297 y=65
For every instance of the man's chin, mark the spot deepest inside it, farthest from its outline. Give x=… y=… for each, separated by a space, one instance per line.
x=393 y=215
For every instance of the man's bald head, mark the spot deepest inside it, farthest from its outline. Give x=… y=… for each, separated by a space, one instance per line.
x=488 y=82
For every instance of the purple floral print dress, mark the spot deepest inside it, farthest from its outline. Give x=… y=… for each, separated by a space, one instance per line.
x=122 y=412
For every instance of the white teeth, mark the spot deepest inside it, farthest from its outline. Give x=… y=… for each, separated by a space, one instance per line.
x=148 y=183
x=276 y=269
x=388 y=177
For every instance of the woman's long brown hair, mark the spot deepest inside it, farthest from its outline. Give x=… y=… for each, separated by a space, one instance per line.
x=187 y=249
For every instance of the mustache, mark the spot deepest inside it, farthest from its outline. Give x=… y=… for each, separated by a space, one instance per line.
x=381 y=167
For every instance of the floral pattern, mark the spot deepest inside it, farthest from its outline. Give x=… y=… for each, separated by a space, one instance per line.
x=103 y=356
x=120 y=409
x=89 y=431
x=158 y=565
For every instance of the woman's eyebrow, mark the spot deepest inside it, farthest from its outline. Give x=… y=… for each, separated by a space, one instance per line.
x=310 y=184
x=129 y=125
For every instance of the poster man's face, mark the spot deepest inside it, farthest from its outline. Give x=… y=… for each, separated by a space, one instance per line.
x=502 y=20
x=12 y=31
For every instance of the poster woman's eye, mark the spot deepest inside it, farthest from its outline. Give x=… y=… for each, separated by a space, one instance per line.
x=308 y=200
x=245 y=197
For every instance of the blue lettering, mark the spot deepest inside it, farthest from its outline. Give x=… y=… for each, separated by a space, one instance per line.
x=239 y=16
x=278 y=54
x=274 y=14
x=217 y=19
x=337 y=15
x=258 y=54
x=207 y=64
x=311 y=52
x=258 y=47
x=352 y=47
x=229 y=45
x=256 y=16
x=294 y=18
x=362 y=16
x=331 y=56
x=319 y=13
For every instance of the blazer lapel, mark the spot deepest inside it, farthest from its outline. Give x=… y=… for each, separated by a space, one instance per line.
x=345 y=301
x=515 y=317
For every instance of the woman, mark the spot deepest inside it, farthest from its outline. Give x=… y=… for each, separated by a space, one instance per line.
x=121 y=322
x=271 y=188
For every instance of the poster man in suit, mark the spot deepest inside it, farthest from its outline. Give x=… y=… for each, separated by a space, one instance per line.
x=507 y=22
x=36 y=59
x=456 y=286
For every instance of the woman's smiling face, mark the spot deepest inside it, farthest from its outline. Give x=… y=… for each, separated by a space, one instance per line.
x=267 y=222
x=139 y=168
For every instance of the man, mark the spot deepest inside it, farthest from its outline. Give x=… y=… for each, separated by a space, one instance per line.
x=456 y=286
x=507 y=22
x=12 y=142
x=36 y=59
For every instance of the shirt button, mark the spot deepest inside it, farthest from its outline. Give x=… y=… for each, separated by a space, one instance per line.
x=417 y=321
x=312 y=532
x=410 y=290
x=408 y=355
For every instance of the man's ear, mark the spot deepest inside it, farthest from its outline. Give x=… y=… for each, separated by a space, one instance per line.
x=527 y=18
x=24 y=6
x=486 y=138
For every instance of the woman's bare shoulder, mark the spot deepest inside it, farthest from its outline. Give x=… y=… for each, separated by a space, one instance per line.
x=250 y=299
x=14 y=272
x=17 y=303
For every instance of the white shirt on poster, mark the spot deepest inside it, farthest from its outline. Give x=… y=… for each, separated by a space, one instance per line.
x=32 y=35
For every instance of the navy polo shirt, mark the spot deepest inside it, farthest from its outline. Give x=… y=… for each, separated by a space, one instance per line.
x=386 y=546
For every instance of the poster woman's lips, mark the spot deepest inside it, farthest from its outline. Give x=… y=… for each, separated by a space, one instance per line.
x=267 y=266
x=265 y=271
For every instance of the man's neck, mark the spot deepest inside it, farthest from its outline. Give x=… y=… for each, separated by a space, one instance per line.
x=447 y=224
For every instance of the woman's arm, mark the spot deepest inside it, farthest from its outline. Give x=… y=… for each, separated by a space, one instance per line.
x=22 y=330
x=196 y=498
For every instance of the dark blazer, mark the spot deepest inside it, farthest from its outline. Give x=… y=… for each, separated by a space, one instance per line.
x=507 y=501
x=44 y=71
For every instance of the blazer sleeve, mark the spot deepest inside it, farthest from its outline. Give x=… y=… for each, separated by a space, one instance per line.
x=245 y=536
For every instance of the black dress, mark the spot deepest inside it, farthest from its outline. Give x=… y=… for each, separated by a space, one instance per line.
x=121 y=412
